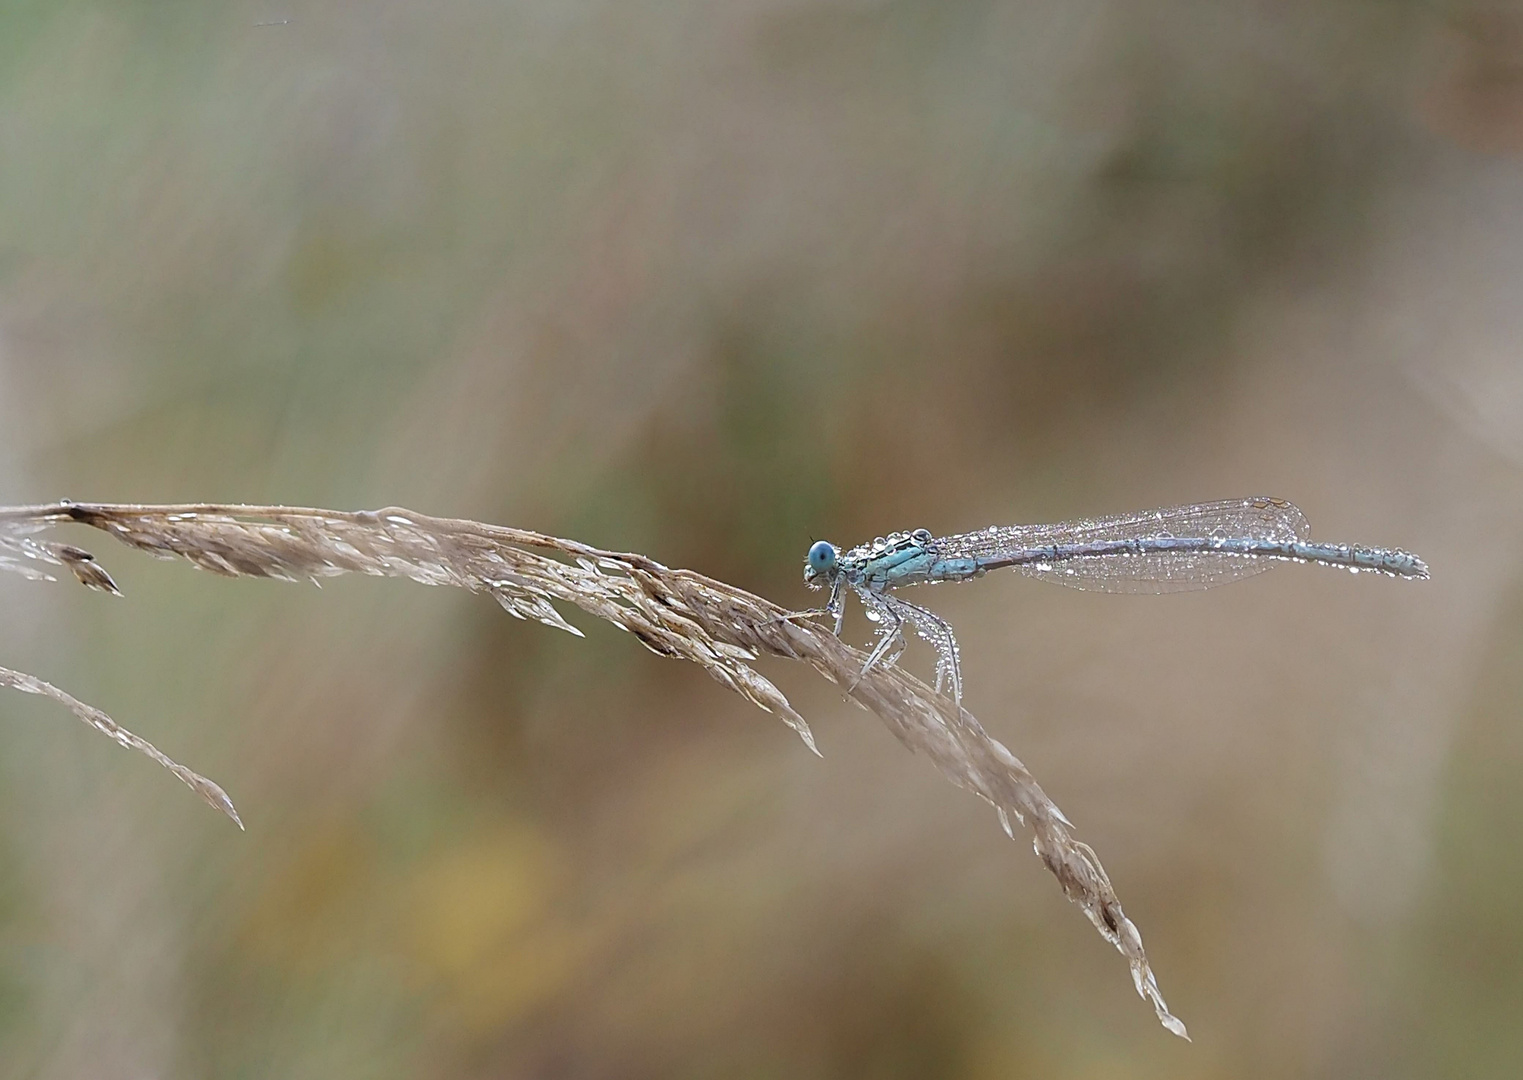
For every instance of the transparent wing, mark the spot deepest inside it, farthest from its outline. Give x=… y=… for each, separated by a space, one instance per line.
x=1170 y=571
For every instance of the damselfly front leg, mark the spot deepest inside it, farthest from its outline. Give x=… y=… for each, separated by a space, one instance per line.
x=835 y=607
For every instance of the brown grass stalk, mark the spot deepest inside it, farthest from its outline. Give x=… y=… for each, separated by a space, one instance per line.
x=675 y=613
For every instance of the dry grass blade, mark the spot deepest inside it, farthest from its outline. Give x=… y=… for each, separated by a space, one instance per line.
x=673 y=612
x=27 y=684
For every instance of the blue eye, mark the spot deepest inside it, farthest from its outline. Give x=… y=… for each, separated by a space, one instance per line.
x=822 y=557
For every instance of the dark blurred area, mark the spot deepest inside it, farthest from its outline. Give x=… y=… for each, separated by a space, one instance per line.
x=707 y=282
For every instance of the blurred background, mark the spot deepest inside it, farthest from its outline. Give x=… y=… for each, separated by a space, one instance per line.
x=708 y=281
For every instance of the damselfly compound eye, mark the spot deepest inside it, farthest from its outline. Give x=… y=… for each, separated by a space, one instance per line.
x=822 y=557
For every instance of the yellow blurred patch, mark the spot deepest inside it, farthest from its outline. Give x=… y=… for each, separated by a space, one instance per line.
x=481 y=924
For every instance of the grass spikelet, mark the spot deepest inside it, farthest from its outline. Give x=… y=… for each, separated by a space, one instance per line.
x=673 y=612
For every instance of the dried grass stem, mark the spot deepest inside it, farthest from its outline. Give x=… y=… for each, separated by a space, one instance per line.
x=673 y=612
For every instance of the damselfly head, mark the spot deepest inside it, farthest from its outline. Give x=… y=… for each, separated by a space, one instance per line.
x=821 y=561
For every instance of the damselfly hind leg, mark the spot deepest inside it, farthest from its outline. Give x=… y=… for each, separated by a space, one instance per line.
x=938 y=633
